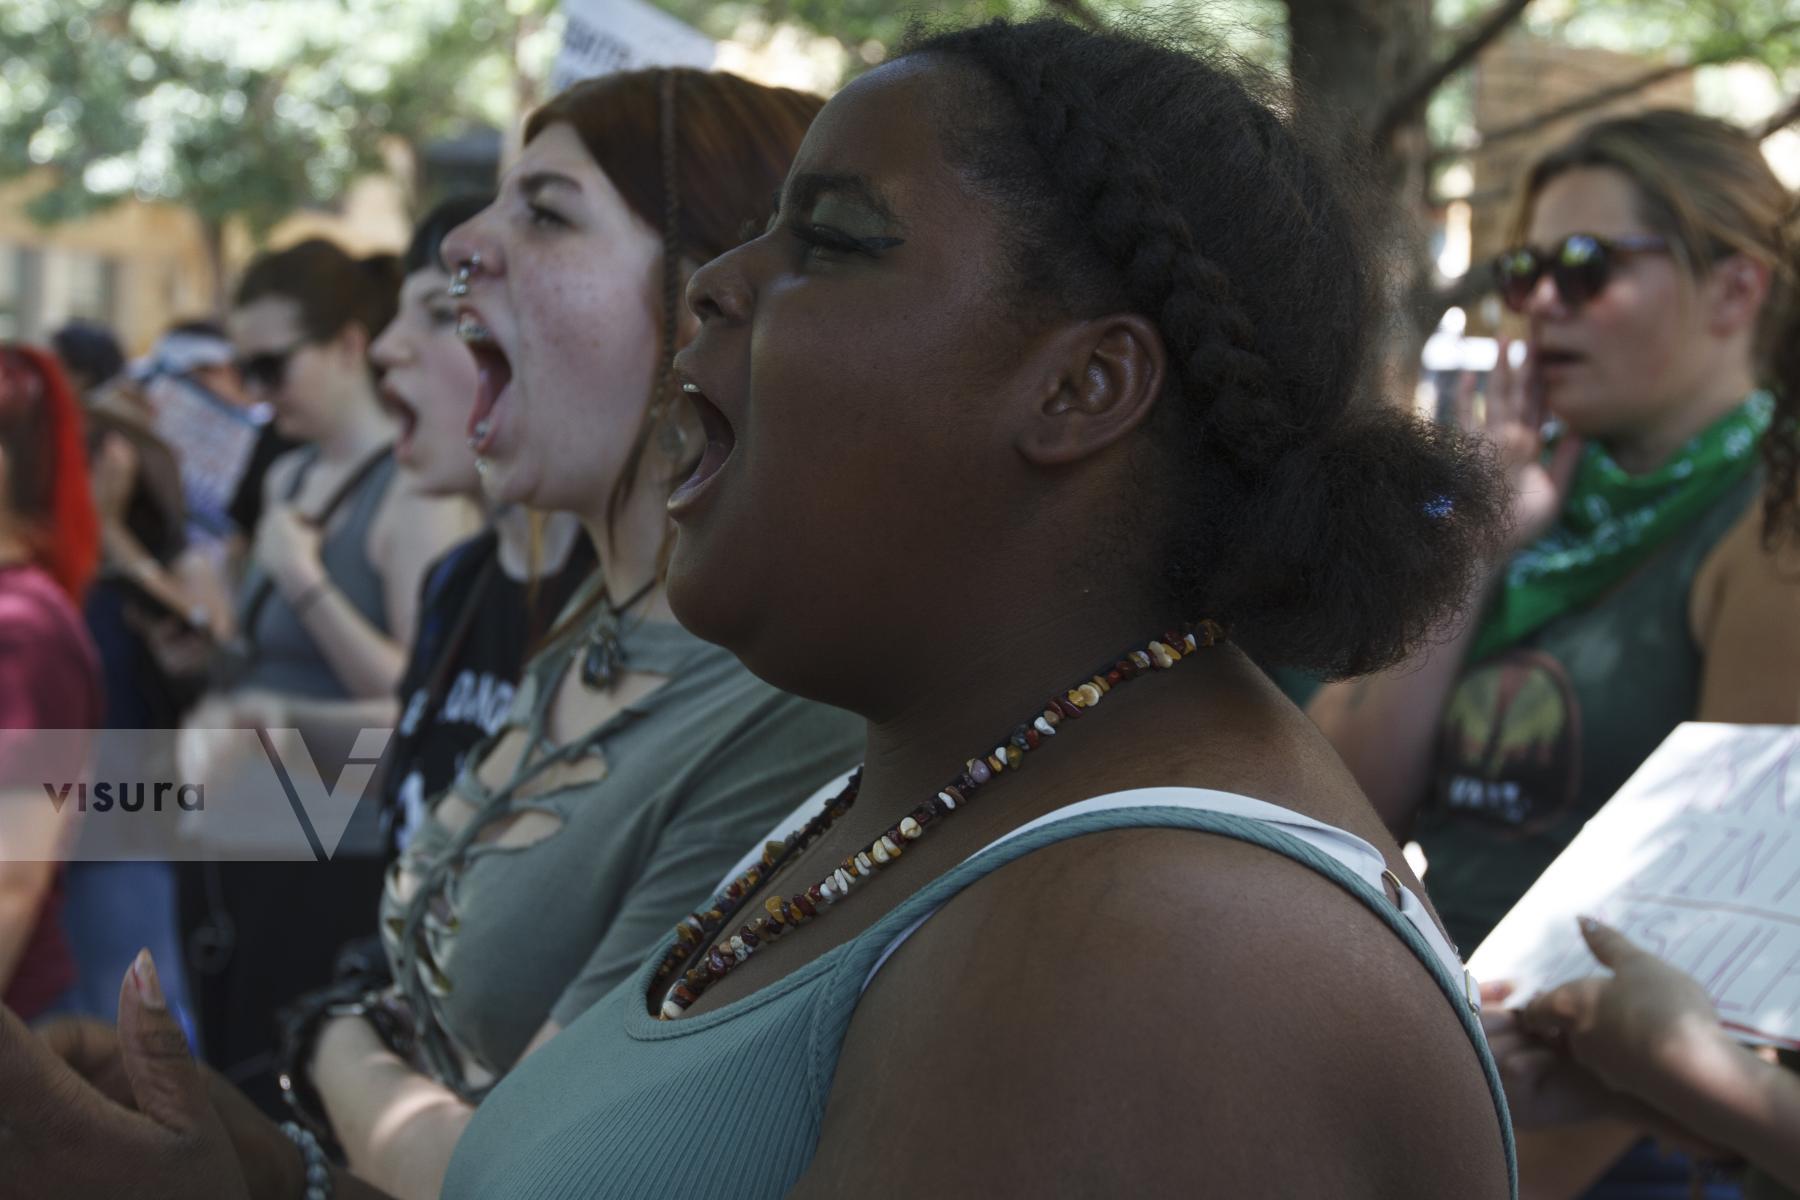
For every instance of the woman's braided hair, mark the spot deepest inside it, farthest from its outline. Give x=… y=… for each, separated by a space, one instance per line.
x=1328 y=533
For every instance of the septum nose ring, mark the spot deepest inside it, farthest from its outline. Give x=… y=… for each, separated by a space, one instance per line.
x=459 y=284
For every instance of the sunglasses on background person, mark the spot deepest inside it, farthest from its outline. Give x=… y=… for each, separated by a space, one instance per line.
x=269 y=368
x=1580 y=265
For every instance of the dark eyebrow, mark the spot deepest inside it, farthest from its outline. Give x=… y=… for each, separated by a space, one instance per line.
x=537 y=181
x=806 y=190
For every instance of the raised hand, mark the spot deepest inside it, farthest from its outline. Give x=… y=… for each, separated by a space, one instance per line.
x=1512 y=421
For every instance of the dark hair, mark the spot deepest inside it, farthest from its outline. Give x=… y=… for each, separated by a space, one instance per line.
x=198 y=327
x=1325 y=530
x=426 y=248
x=47 y=491
x=696 y=155
x=331 y=288
x=1705 y=185
x=90 y=349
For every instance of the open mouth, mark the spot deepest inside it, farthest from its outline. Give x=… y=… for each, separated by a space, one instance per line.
x=493 y=376
x=404 y=414
x=1552 y=359
x=721 y=439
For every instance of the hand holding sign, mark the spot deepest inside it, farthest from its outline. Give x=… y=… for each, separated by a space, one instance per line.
x=1697 y=862
x=1634 y=1029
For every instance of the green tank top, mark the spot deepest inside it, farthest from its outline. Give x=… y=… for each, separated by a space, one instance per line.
x=625 y=1105
x=1538 y=736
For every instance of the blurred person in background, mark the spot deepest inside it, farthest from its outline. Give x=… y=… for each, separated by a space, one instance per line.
x=325 y=611
x=89 y=353
x=1650 y=578
x=49 y=670
x=121 y=901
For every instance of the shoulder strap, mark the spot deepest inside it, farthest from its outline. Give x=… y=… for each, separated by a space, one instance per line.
x=836 y=1002
x=266 y=587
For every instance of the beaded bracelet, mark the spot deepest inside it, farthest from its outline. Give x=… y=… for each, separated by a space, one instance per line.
x=318 y=1170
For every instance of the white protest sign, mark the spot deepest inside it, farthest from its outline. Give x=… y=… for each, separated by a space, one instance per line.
x=1697 y=859
x=604 y=36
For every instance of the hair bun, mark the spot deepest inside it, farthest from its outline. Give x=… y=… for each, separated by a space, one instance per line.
x=1382 y=522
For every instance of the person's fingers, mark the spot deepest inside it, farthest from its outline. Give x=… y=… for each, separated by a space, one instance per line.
x=165 y=1080
x=1554 y=1014
x=1564 y=461
x=1611 y=947
x=1530 y=375
x=1500 y=385
x=91 y=1048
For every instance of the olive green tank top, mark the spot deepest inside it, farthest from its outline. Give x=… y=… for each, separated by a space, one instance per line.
x=730 y=1102
x=1538 y=736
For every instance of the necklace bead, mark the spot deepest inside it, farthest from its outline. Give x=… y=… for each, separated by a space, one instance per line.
x=781 y=916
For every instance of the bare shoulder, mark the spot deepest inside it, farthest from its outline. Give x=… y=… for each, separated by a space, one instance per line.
x=1740 y=571
x=1159 y=1011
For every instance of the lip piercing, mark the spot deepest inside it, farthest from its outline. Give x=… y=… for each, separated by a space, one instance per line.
x=690 y=387
x=459 y=285
x=481 y=466
x=481 y=432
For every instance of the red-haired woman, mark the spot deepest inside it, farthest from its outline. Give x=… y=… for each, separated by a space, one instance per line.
x=49 y=672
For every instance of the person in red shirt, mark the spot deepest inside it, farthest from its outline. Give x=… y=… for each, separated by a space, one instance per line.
x=49 y=671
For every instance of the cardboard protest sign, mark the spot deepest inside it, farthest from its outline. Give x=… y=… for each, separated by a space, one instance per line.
x=1697 y=859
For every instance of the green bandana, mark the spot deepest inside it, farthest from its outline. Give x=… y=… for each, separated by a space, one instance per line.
x=1612 y=521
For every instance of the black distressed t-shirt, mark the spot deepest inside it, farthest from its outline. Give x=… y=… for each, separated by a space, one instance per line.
x=477 y=689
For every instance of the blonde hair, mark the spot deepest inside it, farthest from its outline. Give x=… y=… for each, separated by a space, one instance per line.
x=1704 y=185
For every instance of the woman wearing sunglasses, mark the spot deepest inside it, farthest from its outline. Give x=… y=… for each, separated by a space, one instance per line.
x=325 y=613
x=1647 y=580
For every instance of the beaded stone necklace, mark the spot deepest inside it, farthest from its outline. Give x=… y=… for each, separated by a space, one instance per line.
x=781 y=916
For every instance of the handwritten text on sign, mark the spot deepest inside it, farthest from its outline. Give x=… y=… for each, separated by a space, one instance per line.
x=1697 y=859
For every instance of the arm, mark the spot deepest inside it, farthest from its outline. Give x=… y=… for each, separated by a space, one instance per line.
x=1385 y=726
x=31 y=831
x=408 y=534
x=1745 y=616
x=366 y=661
x=1078 y=1052
x=397 y=1126
x=35 y=683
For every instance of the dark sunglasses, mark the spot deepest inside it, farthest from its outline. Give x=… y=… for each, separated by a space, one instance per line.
x=1580 y=265
x=269 y=368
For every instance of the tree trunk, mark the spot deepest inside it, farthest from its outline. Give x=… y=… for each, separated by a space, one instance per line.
x=212 y=232
x=1349 y=60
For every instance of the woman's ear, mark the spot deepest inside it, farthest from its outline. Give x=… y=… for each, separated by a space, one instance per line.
x=1104 y=379
x=1736 y=290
